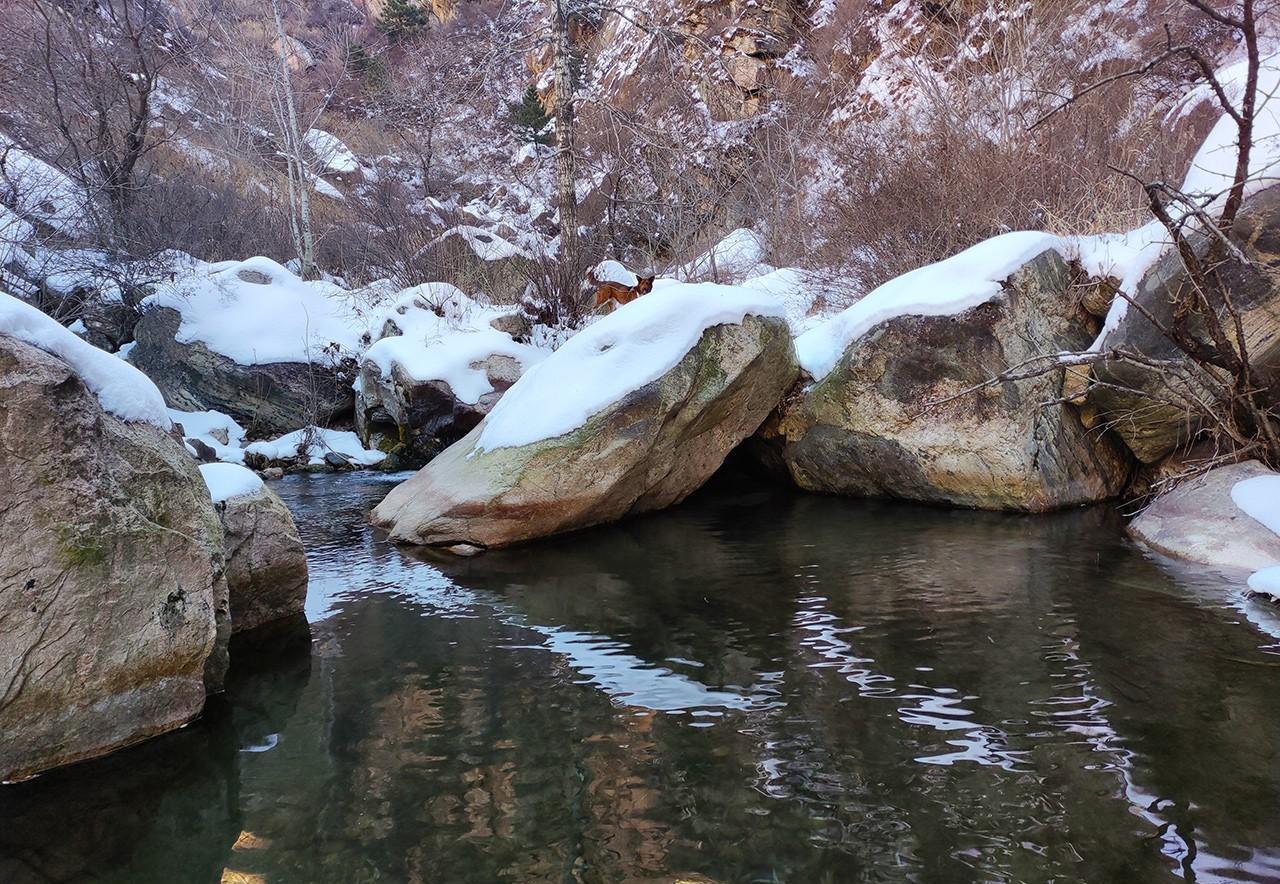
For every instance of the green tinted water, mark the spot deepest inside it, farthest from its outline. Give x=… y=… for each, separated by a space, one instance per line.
x=751 y=687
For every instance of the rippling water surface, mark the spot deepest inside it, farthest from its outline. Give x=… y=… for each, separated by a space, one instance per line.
x=753 y=687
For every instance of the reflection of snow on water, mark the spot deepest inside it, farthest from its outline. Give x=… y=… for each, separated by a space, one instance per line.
x=630 y=681
x=602 y=662
x=269 y=742
x=940 y=709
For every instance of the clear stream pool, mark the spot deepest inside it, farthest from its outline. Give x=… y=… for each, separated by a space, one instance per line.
x=753 y=687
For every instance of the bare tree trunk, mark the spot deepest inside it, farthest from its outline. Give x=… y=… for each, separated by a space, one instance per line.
x=566 y=179
x=299 y=193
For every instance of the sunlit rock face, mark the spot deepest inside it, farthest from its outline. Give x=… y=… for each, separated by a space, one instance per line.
x=647 y=451
x=114 y=606
x=892 y=419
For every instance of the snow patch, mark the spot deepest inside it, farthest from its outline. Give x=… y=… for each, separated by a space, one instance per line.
x=1266 y=582
x=486 y=245
x=122 y=389
x=445 y=334
x=43 y=192
x=228 y=480
x=633 y=346
x=615 y=271
x=331 y=151
x=739 y=256
x=1259 y=499
x=256 y=312
x=314 y=443
x=203 y=424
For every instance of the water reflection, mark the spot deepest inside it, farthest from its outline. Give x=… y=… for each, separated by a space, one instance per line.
x=754 y=687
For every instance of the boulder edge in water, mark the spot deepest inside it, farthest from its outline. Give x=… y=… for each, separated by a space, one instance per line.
x=114 y=602
x=864 y=429
x=646 y=451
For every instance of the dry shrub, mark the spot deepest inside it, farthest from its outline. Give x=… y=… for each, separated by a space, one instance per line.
x=975 y=159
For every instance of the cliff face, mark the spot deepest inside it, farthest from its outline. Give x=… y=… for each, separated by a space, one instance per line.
x=688 y=110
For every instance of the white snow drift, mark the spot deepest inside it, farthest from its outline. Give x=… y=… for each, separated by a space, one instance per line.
x=122 y=389
x=256 y=312
x=228 y=480
x=631 y=347
x=445 y=334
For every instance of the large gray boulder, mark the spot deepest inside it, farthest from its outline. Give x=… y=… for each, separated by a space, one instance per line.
x=1145 y=403
x=266 y=563
x=864 y=429
x=1198 y=521
x=269 y=399
x=112 y=599
x=647 y=451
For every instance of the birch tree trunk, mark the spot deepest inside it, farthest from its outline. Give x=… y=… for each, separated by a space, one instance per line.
x=299 y=187
x=566 y=179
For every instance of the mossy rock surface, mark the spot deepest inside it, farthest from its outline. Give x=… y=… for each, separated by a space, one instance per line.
x=872 y=428
x=113 y=599
x=647 y=451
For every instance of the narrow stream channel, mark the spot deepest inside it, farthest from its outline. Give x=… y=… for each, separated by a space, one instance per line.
x=753 y=687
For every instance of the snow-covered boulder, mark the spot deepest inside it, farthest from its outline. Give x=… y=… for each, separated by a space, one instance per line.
x=1136 y=399
x=864 y=428
x=1201 y=522
x=630 y=415
x=266 y=563
x=440 y=368
x=250 y=339
x=112 y=599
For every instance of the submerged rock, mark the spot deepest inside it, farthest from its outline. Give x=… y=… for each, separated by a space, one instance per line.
x=112 y=597
x=647 y=450
x=865 y=429
x=1198 y=521
x=268 y=398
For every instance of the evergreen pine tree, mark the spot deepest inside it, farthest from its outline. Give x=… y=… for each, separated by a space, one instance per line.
x=402 y=18
x=529 y=118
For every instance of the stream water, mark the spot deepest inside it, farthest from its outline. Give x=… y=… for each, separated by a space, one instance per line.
x=752 y=687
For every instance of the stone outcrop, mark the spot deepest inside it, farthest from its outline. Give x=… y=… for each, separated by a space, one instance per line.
x=647 y=451
x=113 y=603
x=1198 y=521
x=269 y=399
x=1137 y=399
x=865 y=430
x=266 y=563
x=414 y=420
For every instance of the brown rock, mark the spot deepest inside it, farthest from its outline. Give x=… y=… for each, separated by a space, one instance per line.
x=266 y=563
x=648 y=451
x=112 y=598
